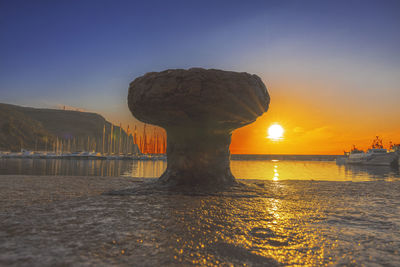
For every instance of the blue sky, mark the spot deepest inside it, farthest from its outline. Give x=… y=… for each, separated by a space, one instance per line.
x=85 y=53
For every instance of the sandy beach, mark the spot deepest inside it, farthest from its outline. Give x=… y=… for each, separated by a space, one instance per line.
x=47 y=221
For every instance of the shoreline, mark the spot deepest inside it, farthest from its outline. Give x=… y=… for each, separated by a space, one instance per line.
x=88 y=156
x=163 y=157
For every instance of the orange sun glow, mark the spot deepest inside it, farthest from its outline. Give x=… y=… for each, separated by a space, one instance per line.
x=275 y=132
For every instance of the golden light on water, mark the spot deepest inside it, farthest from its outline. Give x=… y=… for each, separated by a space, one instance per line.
x=275 y=132
x=276 y=174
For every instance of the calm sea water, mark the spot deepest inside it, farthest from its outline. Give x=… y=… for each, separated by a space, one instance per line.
x=242 y=169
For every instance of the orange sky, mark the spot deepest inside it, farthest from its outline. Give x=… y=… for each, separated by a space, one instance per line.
x=316 y=124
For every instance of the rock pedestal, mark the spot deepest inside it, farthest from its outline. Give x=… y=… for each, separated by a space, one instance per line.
x=199 y=109
x=197 y=157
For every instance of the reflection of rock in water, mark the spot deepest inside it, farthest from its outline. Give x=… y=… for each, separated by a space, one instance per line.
x=199 y=109
x=379 y=172
x=65 y=221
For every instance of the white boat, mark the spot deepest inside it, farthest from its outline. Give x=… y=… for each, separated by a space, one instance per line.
x=395 y=148
x=355 y=156
x=376 y=155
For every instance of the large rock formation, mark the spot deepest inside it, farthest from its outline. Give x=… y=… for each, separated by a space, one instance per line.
x=199 y=109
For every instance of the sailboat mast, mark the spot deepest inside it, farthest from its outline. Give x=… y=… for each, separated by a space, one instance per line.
x=104 y=134
x=111 y=138
x=119 y=138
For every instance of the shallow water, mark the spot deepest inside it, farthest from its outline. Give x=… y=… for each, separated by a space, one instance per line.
x=266 y=223
x=241 y=169
x=60 y=167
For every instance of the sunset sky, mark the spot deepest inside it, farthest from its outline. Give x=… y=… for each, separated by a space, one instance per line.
x=332 y=68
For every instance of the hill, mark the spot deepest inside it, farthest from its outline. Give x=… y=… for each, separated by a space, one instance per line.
x=50 y=129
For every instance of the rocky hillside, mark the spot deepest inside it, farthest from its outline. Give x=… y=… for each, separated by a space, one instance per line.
x=30 y=128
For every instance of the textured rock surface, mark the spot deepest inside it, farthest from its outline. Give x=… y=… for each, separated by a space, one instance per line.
x=65 y=221
x=199 y=109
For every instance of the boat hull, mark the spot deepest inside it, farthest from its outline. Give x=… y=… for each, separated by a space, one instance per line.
x=388 y=159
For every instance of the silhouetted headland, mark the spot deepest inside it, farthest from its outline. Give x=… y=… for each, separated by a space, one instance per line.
x=56 y=130
x=199 y=109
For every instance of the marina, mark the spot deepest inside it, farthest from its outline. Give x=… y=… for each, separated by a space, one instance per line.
x=80 y=156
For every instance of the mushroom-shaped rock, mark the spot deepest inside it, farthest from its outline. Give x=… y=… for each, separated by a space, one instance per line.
x=199 y=109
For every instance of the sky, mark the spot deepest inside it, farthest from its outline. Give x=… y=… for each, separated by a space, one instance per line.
x=332 y=68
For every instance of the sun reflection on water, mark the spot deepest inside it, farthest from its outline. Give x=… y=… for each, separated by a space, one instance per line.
x=276 y=174
x=267 y=230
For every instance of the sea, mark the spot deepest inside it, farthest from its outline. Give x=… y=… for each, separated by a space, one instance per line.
x=275 y=170
x=285 y=213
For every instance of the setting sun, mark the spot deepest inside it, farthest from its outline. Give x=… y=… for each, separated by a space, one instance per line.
x=275 y=132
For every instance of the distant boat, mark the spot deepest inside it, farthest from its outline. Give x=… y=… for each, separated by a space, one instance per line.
x=376 y=155
x=355 y=156
x=395 y=148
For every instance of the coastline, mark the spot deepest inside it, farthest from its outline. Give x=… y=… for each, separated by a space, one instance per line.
x=98 y=156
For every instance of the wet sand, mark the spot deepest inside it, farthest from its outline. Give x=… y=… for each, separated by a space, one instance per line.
x=46 y=221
